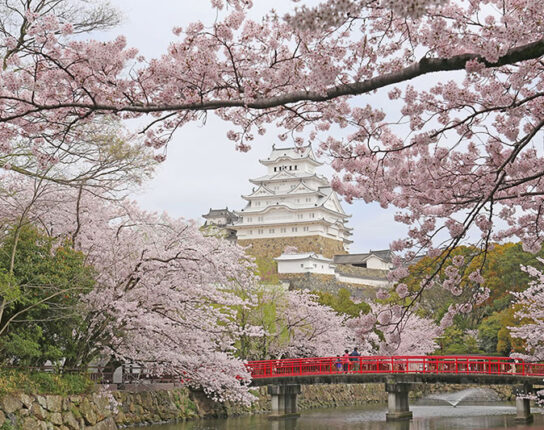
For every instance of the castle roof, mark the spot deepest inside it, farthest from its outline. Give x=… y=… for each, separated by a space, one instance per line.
x=385 y=255
x=302 y=256
x=294 y=153
x=320 y=204
x=287 y=175
x=218 y=213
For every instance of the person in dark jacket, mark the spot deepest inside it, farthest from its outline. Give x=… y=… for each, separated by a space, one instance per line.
x=354 y=358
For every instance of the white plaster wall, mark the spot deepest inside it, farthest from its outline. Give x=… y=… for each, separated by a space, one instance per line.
x=304 y=266
x=376 y=263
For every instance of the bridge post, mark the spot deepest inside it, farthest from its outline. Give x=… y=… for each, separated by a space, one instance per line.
x=397 y=402
x=523 y=404
x=284 y=400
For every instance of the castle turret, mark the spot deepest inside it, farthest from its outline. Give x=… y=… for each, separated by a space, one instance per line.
x=292 y=205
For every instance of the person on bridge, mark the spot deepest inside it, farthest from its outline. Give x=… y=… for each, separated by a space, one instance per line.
x=338 y=363
x=354 y=358
x=345 y=360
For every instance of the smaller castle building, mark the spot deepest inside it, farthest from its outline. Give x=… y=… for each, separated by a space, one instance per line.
x=220 y=221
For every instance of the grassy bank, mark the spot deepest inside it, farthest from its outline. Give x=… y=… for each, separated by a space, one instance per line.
x=29 y=382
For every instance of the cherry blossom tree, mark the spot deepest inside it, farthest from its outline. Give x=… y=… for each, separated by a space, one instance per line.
x=377 y=332
x=311 y=329
x=288 y=324
x=459 y=158
x=100 y=153
x=530 y=305
x=166 y=297
x=162 y=297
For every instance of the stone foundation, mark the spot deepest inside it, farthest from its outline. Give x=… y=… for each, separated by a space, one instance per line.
x=274 y=247
x=326 y=283
x=97 y=411
x=117 y=409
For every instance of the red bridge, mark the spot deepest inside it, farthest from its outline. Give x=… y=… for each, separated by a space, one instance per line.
x=399 y=373
x=465 y=365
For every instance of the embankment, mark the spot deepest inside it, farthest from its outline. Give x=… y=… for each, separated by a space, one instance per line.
x=112 y=410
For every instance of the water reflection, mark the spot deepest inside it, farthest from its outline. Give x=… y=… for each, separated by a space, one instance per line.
x=294 y=424
x=287 y=424
x=426 y=417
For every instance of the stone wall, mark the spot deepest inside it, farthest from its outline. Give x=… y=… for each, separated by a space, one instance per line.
x=326 y=283
x=274 y=247
x=117 y=409
x=363 y=272
x=97 y=411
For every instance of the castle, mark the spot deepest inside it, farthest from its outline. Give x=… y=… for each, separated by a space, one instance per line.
x=293 y=208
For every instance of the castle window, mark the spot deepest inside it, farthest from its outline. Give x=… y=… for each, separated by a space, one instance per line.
x=271 y=230
x=283 y=230
x=250 y=231
x=301 y=264
x=312 y=215
x=261 y=231
x=296 y=167
x=294 y=229
x=290 y=167
x=260 y=219
x=300 y=216
x=305 y=229
x=274 y=169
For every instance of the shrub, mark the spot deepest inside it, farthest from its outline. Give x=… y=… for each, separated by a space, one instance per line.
x=15 y=380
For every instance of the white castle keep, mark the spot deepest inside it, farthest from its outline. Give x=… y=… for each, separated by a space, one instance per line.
x=292 y=200
x=293 y=206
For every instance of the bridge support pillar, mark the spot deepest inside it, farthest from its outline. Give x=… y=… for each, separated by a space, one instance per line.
x=523 y=410
x=523 y=404
x=284 y=400
x=397 y=402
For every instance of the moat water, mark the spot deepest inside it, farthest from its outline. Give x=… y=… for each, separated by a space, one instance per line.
x=428 y=415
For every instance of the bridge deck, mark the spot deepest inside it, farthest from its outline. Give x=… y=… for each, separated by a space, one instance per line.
x=413 y=369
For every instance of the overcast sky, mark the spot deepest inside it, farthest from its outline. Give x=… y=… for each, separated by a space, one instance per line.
x=203 y=169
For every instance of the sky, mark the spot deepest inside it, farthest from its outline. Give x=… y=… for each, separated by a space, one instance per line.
x=202 y=169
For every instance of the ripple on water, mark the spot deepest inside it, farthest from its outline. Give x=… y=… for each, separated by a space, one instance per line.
x=372 y=417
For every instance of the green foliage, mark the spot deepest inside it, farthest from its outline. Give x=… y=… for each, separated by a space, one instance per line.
x=342 y=303
x=24 y=342
x=502 y=275
x=500 y=269
x=9 y=288
x=455 y=341
x=14 y=380
x=40 y=285
x=7 y=426
x=267 y=270
x=488 y=332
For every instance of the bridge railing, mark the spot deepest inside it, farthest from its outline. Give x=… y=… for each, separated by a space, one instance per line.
x=395 y=364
